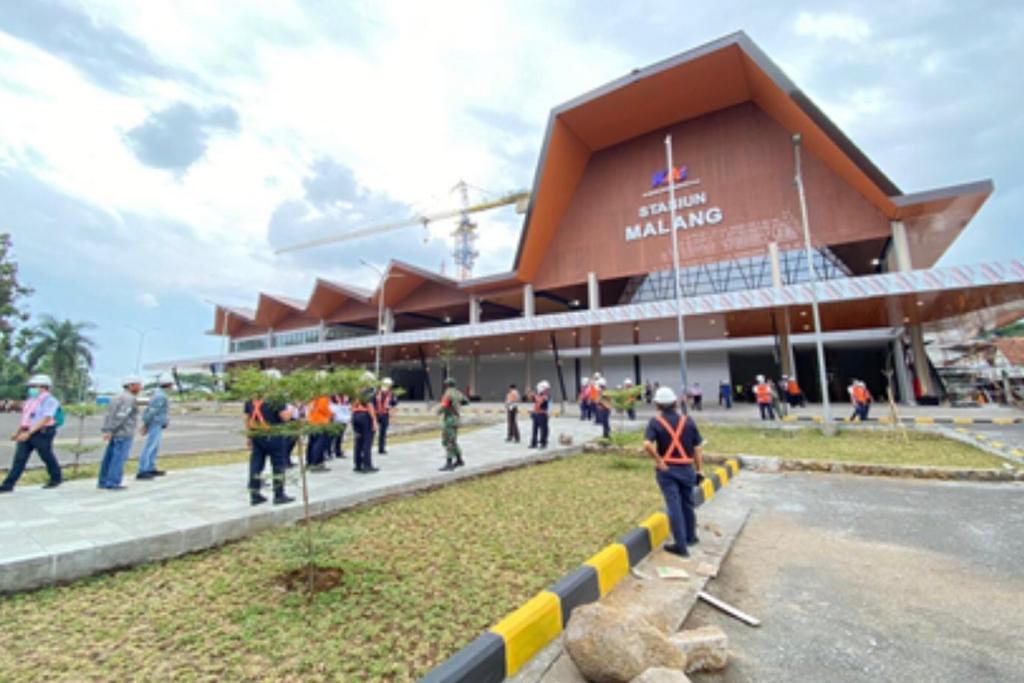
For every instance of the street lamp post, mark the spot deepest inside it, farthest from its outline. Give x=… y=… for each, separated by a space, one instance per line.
x=142 y=337
x=226 y=348
x=380 y=312
x=826 y=409
x=675 y=267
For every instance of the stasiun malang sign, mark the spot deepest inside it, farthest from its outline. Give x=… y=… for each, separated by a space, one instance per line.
x=692 y=209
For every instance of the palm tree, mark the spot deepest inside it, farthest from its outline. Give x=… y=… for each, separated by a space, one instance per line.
x=64 y=349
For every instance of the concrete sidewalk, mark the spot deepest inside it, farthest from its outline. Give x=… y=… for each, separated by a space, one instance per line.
x=48 y=536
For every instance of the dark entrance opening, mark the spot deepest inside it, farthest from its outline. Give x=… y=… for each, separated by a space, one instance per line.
x=745 y=366
x=412 y=381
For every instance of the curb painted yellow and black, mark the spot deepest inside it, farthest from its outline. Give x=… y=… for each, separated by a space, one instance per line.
x=920 y=420
x=504 y=648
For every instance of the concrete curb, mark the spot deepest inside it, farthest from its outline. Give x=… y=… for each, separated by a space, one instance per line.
x=504 y=648
x=920 y=420
x=772 y=464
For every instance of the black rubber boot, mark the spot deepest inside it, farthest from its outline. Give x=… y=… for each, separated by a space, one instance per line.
x=459 y=462
x=448 y=466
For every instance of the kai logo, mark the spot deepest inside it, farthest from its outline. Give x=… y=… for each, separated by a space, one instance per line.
x=692 y=207
x=660 y=178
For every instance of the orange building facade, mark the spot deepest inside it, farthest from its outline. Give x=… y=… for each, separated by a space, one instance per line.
x=591 y=285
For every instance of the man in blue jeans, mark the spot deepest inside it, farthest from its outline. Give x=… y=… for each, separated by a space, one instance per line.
x=35 y=432
x=118 y=429
x=675 y=444
x=155 y=419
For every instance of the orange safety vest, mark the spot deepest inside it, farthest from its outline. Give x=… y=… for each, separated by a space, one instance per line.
x=595 y=393
x=360 y=407
x=676 y=454
x=793 y=388
x=764 y=393
x=383 y=403
x=256 y=418
x=320 y=413
x=860 y=394
x=538 y=405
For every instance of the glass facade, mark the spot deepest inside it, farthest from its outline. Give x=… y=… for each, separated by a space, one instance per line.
x=297 y=337
x=252 y=344
x=736 y=275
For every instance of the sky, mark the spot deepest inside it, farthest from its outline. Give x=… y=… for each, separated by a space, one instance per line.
x=154 y=154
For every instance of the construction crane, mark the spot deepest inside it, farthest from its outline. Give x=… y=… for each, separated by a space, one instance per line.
x=464 y=252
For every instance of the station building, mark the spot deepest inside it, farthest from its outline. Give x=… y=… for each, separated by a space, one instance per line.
x=591 y=286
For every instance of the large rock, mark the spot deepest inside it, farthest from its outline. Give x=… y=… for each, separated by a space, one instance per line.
x=613 y=646
x=706 y=648
x=662 y=603
x=661 y=675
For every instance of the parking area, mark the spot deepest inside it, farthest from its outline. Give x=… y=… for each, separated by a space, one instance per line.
x=866 y=579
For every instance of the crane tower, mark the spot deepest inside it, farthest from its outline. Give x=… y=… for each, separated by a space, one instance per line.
x=464 y=252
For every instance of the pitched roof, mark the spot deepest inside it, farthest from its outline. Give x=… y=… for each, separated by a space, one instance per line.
x=720 y=74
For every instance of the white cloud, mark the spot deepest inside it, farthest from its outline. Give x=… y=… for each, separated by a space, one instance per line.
x=832 y=26
x=147 y=300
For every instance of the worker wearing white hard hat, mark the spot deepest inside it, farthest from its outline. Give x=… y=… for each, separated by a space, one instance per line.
x=41 y=416
x=155 y=419
x=118 y=429
x=539 y=415
x=263 y=415
x=383 y=403
x=586 y=412
x=602 y=407
x=674 y=443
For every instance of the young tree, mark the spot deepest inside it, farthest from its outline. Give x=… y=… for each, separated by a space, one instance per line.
x=302 y=387
x=446 y=352
x=622 y=400
x=80 y=411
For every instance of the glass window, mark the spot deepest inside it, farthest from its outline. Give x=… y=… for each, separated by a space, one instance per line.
x=735 y=275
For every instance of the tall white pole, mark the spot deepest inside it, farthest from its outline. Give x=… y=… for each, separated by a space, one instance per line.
x=380 y=325
x=826 y=408
x=138 y=356
x=675 y=267
x=380 y=314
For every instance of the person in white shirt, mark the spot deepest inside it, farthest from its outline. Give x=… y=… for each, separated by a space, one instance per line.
x=35 y=432
x=341 y=416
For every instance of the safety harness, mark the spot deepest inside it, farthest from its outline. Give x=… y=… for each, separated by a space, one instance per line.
x=676 y=454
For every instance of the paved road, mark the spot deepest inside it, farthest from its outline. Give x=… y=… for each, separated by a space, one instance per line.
x=864 y=579
x=187 y=434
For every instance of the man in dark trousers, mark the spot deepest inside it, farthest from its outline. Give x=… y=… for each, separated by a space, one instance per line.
x=383 y=402
x=35 y=432
x=603 y=407
x=263 y=414
x=512 y=412
x=539 y=416
x=675 y=444
x=364 y=424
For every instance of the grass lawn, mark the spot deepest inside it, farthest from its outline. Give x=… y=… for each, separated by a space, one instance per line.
x=190 y=460
x=851 y=445
x=422 y=576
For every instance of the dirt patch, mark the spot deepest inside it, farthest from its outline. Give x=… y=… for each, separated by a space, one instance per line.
x=310 y=578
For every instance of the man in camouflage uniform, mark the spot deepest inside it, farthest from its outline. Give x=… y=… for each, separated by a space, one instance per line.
x=451 y=402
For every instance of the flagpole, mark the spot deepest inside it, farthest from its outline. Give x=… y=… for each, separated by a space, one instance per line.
x=675 y=268
x=826 y=409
